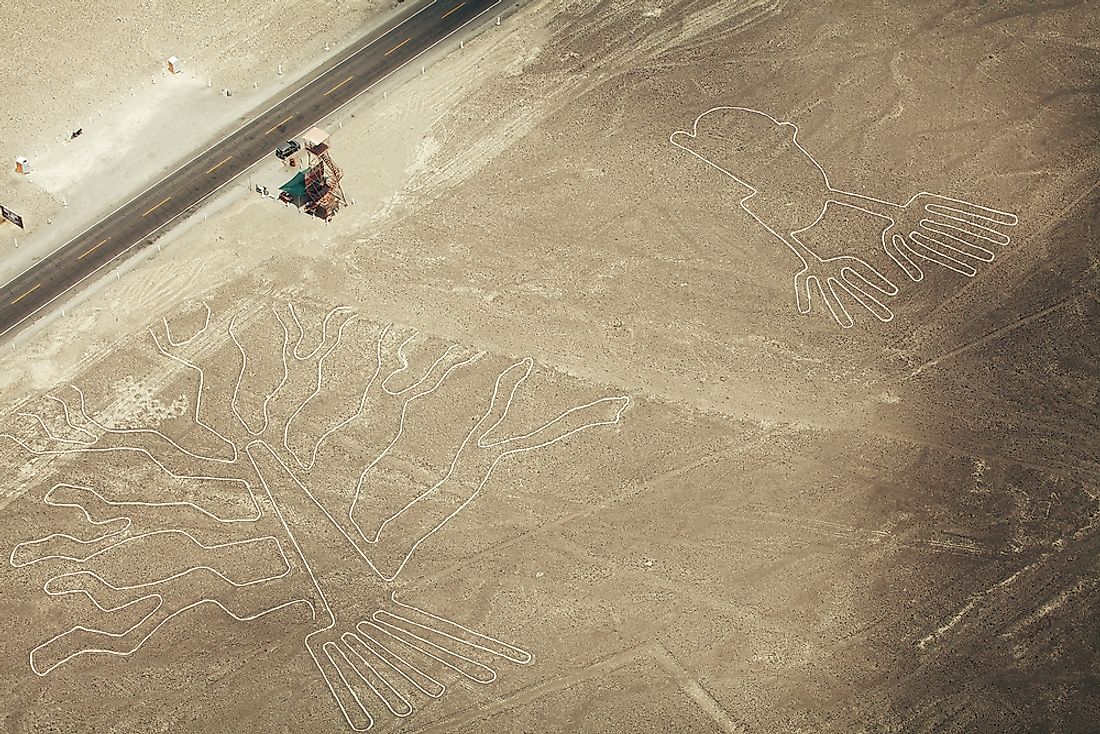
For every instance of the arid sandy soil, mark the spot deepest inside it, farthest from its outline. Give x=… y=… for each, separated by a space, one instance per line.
x=102 y=69
x=571 y=415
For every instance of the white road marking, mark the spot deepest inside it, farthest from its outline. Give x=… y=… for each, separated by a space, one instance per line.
x=212 y=147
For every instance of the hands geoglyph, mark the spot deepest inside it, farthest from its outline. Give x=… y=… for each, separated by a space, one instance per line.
x=333 y=554
x=788 y=192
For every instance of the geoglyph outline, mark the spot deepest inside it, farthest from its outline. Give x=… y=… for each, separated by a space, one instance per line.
x=937 y=237
x=382 y=642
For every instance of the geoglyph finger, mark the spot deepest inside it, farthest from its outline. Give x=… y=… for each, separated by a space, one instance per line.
x=373 y=637
x=898 y=248
x=975 y=213
x=832 y=302
x=927 y=248
x=867 y=275
x=861 y=295
x=345 y=685
x=802 y=295
x=959 y=240
x=964 y=228
x=370 y=670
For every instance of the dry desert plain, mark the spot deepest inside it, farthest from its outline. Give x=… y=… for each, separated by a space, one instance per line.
x=534 y=436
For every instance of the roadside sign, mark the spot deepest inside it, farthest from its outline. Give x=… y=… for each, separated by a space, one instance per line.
x=11 y=216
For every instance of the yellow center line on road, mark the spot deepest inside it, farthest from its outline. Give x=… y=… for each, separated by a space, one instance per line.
x=452 y=10
x=158 y=206
x=397 y=46
x=32 y=290
x=90 y=250
x=278 y=125
x=339 y=85
x=211 y=170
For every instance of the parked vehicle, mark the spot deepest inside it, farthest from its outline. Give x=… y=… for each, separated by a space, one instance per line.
x=287 y=149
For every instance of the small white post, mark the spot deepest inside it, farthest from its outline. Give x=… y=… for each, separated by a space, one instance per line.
x=64 y=202
x=62 y=313
x=462 y=44
x=116 y=275
x=280 y=69
x=498 y=20
x=341 y=124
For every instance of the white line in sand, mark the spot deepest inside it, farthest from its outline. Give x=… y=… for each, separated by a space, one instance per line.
x=949 y=232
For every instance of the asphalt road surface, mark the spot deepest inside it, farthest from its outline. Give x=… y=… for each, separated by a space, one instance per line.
x=137 y=223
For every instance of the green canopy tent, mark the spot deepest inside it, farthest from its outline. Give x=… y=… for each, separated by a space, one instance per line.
x=295 y=188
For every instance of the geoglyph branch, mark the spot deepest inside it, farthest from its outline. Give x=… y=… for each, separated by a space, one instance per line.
x=370 y=648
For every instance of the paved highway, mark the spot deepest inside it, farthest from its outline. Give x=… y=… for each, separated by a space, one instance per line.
x=421 y=27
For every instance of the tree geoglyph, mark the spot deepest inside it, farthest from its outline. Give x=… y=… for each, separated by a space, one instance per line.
x=326 y=514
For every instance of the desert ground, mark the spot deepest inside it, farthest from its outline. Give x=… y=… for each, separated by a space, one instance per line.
x=535 y=437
